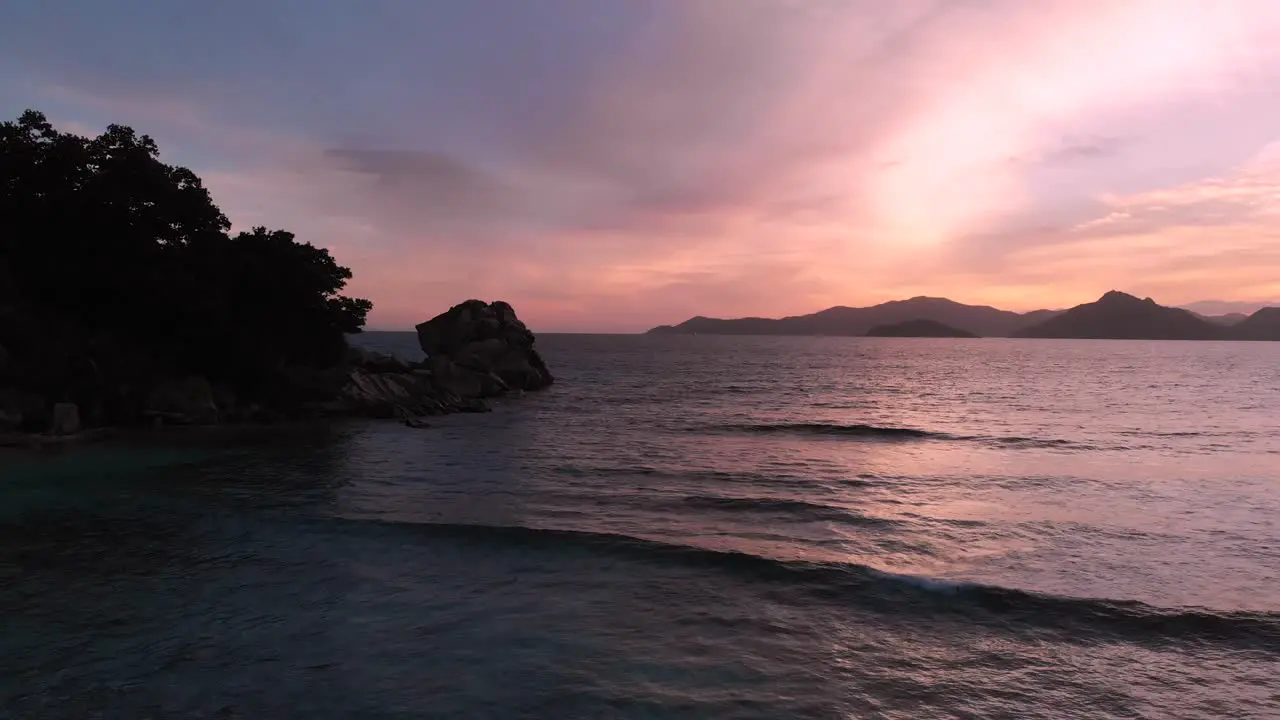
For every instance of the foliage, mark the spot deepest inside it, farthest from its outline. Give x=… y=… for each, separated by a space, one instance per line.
x=108 y=255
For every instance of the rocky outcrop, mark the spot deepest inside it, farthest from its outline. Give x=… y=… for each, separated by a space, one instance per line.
x=475 y=351
x=484 y=339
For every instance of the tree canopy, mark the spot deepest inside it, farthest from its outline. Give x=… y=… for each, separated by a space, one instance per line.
x=113 y=260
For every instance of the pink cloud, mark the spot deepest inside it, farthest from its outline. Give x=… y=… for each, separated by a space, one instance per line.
x=779 y=157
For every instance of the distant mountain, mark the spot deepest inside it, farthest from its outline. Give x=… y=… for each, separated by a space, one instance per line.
x=1118 y=315
x=1262 y=325
x=919 y=328
x=1227 y=320
x=1218 y=308
x=978 y=320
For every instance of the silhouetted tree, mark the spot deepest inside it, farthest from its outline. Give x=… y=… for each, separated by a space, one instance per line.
x=114 y=263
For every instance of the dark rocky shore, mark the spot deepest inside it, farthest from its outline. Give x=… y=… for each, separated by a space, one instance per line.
x=475 y=351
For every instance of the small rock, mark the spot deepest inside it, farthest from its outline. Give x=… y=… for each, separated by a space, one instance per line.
x=369 y=360
x=417 y=423
x=66 y=419
x=474 y=406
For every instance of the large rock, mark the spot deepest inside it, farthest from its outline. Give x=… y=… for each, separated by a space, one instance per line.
x=23 y=410
x=11 y=411
x=486 y=339
x=66 y=419
x=475 y=351
x=464 y=381
x=185 y=400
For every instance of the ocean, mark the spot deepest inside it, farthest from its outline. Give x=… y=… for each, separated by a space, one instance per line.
x=682 y=527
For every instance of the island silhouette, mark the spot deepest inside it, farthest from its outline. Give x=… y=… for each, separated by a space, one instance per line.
x=126 y=299
x=1116 y=315
x=919 y=328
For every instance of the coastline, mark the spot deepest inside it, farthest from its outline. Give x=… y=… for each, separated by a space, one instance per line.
x=475 y=352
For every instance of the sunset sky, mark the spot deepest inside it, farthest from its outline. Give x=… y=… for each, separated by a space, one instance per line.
x=609 y=165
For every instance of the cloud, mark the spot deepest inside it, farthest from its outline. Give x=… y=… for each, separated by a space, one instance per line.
x=1083 y=148
x=1180 y=243
x=1249 y=196
x=441 y=190
x=624 y=164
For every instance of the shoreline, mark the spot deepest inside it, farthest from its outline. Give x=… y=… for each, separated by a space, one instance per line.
x=28 y=445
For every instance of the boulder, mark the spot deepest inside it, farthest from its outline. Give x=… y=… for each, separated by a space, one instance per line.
x=11 y=415
x=66 y=419
x=372 y=361
x=488 y=340
x=185 y=400
x=473 y=406
x=23 y=411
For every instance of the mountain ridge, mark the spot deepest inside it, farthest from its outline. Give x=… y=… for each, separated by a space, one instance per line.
x=1116 y=315
x=844 y=321
x=1121 y=316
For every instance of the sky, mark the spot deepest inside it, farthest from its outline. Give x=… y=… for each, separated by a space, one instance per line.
x=610 y=165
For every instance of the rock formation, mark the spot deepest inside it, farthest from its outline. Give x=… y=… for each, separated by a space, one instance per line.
x=475 y=351
x=486 y=344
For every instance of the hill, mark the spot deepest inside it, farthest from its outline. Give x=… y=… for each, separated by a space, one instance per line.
x=1262 y=325
x=1121 y=316
x=979 y=320
x=919 y=328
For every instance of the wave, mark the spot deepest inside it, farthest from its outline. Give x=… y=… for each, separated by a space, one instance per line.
x=1029 y=442
x=800 y=508
x=1179 y=434
x=1079 y=619
x=693 y=475
x=814 y=428
x=891 y=433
